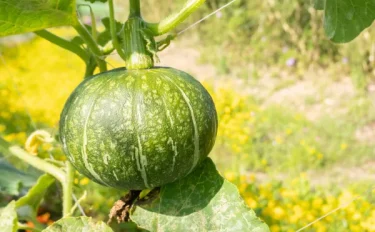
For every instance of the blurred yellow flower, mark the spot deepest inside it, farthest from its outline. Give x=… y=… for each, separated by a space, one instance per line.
x=320 y=156
x=230 y=175
x=278 y=213
x=84 y=181
x=2 y=128
x=312 y=150
x=343 y=146
x=279 y=140
x=251 y=202
x=275 y=228
x=317 y=203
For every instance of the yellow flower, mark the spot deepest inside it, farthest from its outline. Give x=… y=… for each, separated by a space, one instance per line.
x=320 y=227
x=229 y=175
x=251 y=202
x=319 y=156
x=343 y=146
x=317 y=203
x=356 y=216
x=278 y=213
x=275 y=228
x=279 y=140
x=312 y=150
x=297 y=213
x=84 y=181
x=2 y=128
x=243 y=187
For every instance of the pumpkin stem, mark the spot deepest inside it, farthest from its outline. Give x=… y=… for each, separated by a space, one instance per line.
x=139 y=44
x=135 y=8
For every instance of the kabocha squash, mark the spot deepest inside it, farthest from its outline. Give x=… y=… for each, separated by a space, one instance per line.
x=138 y=129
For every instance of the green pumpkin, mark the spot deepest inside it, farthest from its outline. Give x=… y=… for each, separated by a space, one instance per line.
x=138 y=129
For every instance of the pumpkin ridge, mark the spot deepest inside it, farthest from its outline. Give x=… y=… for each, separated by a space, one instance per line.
x=84 y=140
x=169 y=116
x=192 y=115
x=137 y=118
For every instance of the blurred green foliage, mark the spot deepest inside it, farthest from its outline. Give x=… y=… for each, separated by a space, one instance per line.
x=249 y=36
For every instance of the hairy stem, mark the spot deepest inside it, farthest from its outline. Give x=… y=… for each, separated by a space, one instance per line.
x=92 y=45
x=135 y=8
x=68 y=189
x=34 y=161
x=175 y=19
x=113 y=29
x=63 y=43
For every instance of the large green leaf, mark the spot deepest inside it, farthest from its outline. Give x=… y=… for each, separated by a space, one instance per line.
x=13 y=180
x=78 y=224
x=20 y=16
x=28 y=205
x=8 y=218
x=202 y=201
x=344 y=20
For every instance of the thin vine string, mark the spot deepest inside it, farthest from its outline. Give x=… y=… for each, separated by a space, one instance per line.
x=206 y=17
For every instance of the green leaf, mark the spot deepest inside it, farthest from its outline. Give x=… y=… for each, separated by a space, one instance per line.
x=12 y=180
x=202 y=201
x=78 y=224
x=344 y=20
x=8 y=218
x=21 y=16
x=28 y=205
x=105 y=36
x=78 y=40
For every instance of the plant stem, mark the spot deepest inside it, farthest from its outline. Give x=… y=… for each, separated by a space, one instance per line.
x=90 y=67
x=34 y=161
x=136 y=45
x=63 y=43
x=92 y=45
x=175 y=19
x=112 y=22
x=135 y=8
x=68 y=189
x=93 y=25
